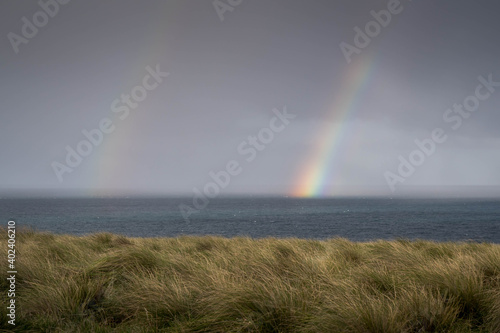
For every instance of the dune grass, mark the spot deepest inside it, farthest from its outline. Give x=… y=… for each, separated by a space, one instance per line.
x=110 y=283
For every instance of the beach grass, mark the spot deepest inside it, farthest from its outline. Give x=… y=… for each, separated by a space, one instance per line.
x=110 y=283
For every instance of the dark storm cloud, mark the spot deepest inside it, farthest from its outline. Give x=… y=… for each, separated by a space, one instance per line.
x=227 y=76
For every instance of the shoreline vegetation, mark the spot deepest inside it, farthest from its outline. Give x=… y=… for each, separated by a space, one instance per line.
x=110 y=283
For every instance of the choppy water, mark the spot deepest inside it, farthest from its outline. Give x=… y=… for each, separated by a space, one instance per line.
x=356 y=219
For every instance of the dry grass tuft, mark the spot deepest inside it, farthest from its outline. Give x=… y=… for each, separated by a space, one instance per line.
x=110 y=283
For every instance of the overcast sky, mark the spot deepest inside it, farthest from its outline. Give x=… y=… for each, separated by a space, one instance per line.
x=228 y=68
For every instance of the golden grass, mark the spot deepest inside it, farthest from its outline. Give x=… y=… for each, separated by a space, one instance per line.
x=110 y=283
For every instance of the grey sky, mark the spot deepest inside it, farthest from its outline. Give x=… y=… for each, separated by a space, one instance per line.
x=225 y=78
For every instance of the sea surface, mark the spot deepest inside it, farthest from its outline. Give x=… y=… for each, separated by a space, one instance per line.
x=358 y=219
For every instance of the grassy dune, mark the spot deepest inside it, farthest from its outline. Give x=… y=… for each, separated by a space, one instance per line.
x=110 y=283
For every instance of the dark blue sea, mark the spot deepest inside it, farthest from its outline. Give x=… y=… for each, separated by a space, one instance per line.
x=358 y=219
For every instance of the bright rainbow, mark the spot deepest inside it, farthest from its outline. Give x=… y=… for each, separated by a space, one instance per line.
x=318 y=173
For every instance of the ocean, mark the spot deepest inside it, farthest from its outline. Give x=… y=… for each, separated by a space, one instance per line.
x=358 y=219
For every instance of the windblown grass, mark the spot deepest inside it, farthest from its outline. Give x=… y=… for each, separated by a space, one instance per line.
x=110 y=283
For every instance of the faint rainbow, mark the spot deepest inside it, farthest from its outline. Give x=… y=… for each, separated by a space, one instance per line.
x=316 y=173
x=110 y=163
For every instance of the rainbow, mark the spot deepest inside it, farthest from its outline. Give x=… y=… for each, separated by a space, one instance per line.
x=317 y=174
x=109 y=167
